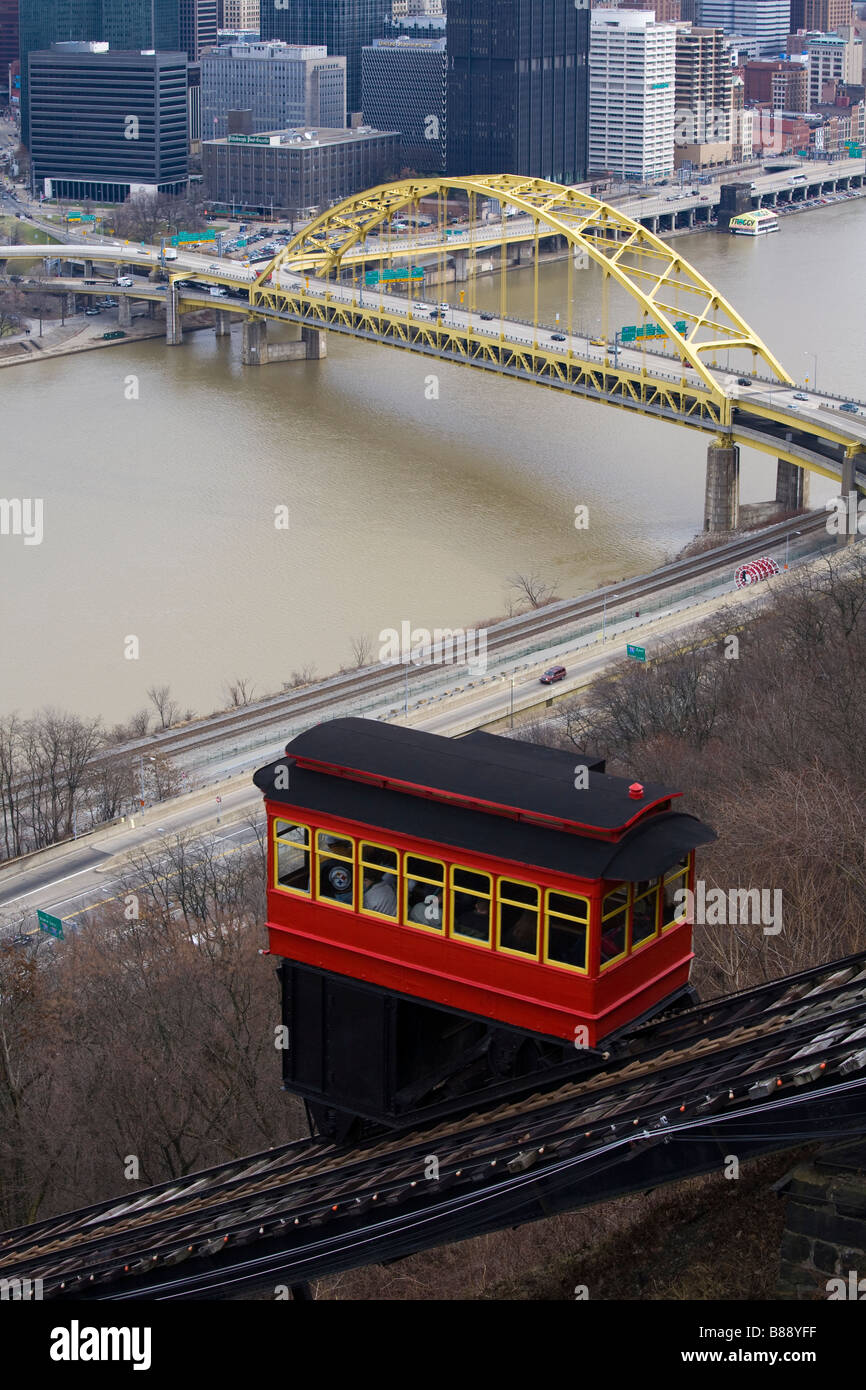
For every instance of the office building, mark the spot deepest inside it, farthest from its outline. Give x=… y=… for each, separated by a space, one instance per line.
x=768 y=21
x=284 y=85
x=782 y=86
x=834 y=60
x=240 y=14
x=518 y=88
x=403 y=87
x=704 y=80
x=820 y=15
x=197 y=27
x=342 y=26
x=632 y=95
x=167 y=25
x=107 y=123
x=8 y=38
x=295 y=172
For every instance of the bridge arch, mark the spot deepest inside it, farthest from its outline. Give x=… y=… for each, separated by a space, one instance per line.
x=668 y=289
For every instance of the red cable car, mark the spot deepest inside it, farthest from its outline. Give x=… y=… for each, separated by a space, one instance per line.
x=452 y=913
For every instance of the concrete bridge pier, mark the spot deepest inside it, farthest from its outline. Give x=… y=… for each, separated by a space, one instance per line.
x=722 y=498
x=173 y=324
x=222 y=323
x=792 y=486
x=70 y=303
x=124 y=311
x=461 y=267
x=847 y=487
x=88 y=270
x=256 y=351
x=254 y=344
x=315 y=341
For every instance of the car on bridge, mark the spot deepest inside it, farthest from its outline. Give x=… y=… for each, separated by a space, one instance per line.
x=800 y=396
x=744 y=381
x=487 y=317
x=557 y=337
x=851 y=408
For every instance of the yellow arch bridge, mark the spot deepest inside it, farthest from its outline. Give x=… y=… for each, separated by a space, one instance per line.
x=690 y=358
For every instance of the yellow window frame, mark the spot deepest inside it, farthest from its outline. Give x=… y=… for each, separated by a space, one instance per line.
x=441 y=889
x=671 y=877
x=566 y=917
x=342 y=859
x=362 y=865
x=510 y=902
x=638 y=898
x=606 y=917
x=472 y=893
x=277 y=839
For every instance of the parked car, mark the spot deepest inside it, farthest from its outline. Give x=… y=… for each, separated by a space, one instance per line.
x=92 y=311
x=553 y=674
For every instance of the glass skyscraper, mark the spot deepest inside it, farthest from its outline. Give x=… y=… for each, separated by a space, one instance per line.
x=518 y=94
x=345 y=26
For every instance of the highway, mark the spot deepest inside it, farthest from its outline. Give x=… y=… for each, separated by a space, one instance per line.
x=70 y=880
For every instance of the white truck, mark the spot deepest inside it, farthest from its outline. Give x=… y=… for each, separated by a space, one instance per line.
x=169 y=253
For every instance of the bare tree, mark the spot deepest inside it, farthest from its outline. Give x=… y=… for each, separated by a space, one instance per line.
x=533 y=588
x=239 y=691
x=166 y=708
x=362 y=650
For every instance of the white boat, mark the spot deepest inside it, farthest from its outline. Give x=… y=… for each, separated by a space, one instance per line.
x=755 y=223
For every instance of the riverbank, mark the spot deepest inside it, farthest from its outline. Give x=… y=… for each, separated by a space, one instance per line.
x=75 y=341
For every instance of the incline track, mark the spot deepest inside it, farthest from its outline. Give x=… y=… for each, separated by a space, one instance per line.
x=760 y=1069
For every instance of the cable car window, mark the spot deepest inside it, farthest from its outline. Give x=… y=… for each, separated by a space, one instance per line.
x=380 y=874
x=676 y=881
x=291 y=857
x=424 y=892
x=567 y=931
x=335 y=868
x=614 y=915
x=470 y=905
x=518 y=918
x=644 y=912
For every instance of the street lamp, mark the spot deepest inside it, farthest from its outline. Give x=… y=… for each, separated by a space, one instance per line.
x=814 y=357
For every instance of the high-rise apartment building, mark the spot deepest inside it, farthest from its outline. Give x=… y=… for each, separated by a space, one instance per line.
x=767 y=20
x=343 y=26
x=518 y=87
x=782 y=86
x=820 y=15
x=632 y=95
x=107 y=123
x=8 y=37
x=704 y=80
x=283 y=85
x=403 y=87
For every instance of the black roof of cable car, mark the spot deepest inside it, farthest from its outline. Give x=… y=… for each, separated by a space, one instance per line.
x=499 y=771
x=647 y=849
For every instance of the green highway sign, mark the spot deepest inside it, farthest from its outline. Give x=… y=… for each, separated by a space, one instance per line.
x=372 y=277
x=52 y=925
x=648 y=330
x=182 y=237
x=639 y=653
